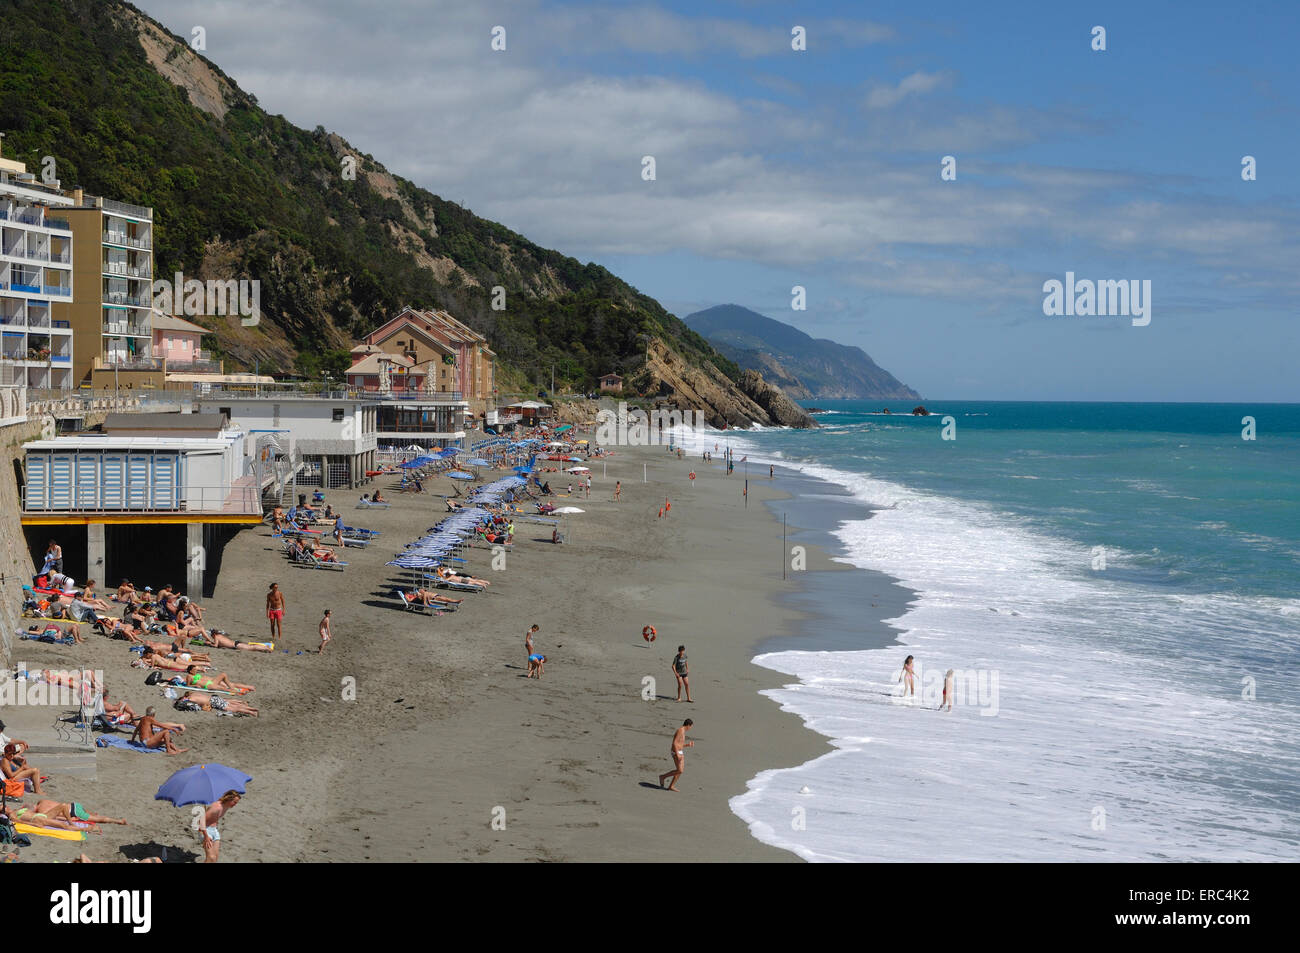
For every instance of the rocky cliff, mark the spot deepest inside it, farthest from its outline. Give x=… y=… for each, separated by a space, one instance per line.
x=780 y=409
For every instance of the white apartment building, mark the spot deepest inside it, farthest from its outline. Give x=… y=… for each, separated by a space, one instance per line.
x=35 y=273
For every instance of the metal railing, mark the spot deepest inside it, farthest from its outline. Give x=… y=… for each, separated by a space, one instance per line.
x=126 y=208
x=130 y=364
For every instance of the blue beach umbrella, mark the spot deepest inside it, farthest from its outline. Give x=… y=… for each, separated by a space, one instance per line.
x=478 y=462
x=461 y=475
x=201 y=784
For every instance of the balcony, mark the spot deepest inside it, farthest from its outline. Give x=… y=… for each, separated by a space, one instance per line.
x=124 y=329
x=122 y=240
x=57 y=291
x=129 y=363
x=122 y=298
x=29 y=289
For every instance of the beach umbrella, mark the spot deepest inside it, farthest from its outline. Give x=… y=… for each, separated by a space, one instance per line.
x=582 y=441
x=201 y=784
x=579 y=469
x=461 y=475
x=575 y=459
x=570 y=509
x=410 y=464
x=478 y=462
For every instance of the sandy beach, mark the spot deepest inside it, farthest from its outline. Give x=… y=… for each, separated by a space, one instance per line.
x=445 y=733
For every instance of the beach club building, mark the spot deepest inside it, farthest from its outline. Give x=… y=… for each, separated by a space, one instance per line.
x=153 y=494
x=333 y=438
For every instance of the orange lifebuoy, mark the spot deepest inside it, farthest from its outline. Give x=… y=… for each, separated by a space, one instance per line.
x=649 y=633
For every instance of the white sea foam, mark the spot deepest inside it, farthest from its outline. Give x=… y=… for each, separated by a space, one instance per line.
x=1114 y=738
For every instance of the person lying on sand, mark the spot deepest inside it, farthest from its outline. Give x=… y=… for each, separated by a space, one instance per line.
x=72 y=811
x=153 y=735
x=154 y=659
x=221 y=681
x=30 y=815
x=202 y=701
x=218 y=639
x=169 y=651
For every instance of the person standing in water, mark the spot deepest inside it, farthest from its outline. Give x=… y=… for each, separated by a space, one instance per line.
x=678 y=749
x=908 y=677
x=682 y=671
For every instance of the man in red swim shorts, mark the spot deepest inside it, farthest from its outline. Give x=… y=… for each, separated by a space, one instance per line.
x=275 y=611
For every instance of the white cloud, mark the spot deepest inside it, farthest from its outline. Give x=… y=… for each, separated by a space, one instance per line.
x=886 y=96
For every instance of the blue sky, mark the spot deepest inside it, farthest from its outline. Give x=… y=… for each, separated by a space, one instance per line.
x=821 y=168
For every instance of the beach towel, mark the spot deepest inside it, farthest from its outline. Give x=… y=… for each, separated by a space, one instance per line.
x=22 y=828
x=110 y=741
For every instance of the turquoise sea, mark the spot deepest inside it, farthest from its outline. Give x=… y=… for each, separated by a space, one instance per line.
x=1114 y=586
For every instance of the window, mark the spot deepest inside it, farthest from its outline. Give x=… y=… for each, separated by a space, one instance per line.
x=338 y=415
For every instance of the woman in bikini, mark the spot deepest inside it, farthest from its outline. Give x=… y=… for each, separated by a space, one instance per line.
x=72 y=812
x=220 y=681
x=908 y=677
x=16 y=768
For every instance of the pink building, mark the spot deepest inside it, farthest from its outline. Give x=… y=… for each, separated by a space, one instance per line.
x=177 y=341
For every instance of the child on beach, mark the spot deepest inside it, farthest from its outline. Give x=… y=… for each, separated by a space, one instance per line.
x=324 y=631
x=618 y=489
x=679 y=745
x=536 y=665
x=682 y=671
x=275 y=611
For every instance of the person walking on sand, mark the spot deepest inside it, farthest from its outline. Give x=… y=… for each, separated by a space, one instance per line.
x=325 y=634
x=908 y=677
x=618 y=489
x=679 y=746
x=683 y=672
x=211 y=817
x=947 y=690
x=528 y=640
x=275 y=611
x=588 y=487
x=771 y=472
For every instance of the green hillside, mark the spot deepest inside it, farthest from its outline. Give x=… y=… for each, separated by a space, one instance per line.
x=249 y=195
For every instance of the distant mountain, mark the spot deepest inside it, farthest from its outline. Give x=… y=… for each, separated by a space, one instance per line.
x=805 y=367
